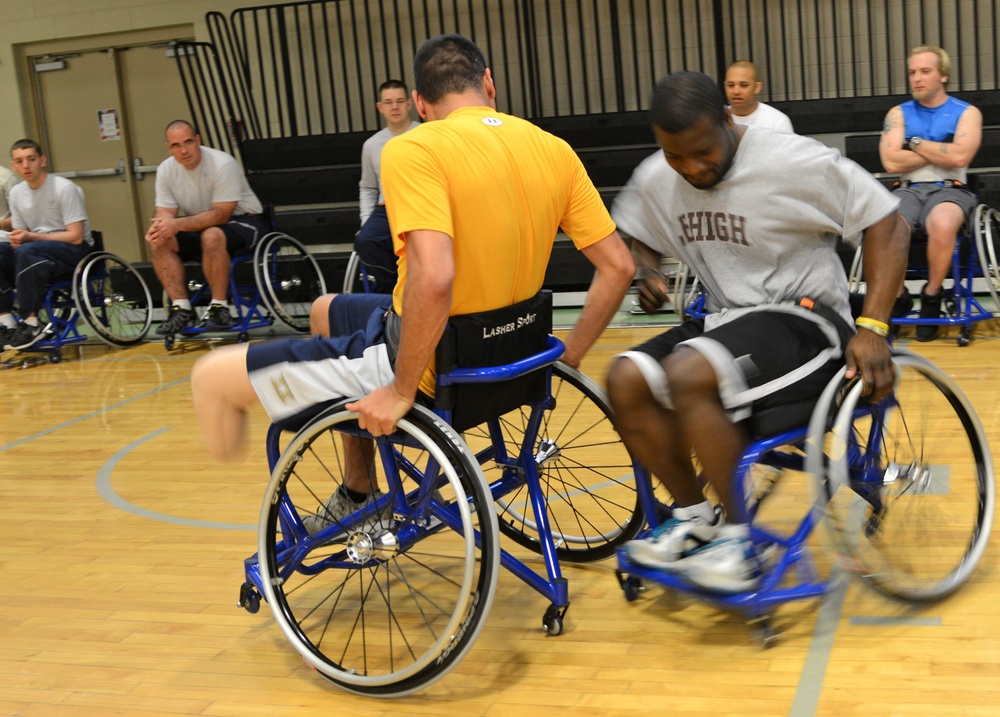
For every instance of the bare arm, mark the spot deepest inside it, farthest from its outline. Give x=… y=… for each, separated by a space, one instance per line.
x=430 y=271
x=895 y=159
x=167 y=224
x=886 y=244
x=614 y=272
x=73 y=234
x=962 y=149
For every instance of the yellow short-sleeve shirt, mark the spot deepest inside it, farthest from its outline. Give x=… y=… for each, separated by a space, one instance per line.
x=501 y=188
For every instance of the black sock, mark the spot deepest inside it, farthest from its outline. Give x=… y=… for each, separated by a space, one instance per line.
x=353 y=495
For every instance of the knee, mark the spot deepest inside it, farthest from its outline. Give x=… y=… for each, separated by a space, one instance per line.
x=213 y=241
x=627 y=386
x=319 y=315
x=690 y=377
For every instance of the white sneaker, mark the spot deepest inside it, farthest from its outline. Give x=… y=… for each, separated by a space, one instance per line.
x=728 y=564
x=673 y=540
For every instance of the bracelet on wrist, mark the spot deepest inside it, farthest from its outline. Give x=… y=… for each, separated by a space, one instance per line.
x=874 y=325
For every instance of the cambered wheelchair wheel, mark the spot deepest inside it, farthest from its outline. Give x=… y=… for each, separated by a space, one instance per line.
x=585 y=472
x=289 y=279
x=987 y=226
x=113 y=299
x=386 y=601
x=910 y=485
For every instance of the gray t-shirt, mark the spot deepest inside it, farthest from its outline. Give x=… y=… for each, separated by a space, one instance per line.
x=371 y=169
x=766 y=233
x=50 y=208
x=217 y=178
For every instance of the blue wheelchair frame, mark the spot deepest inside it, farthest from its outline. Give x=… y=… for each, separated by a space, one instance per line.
x=62 y=306
x=255 y=305
x=553 y=586
x=420 y=513
x=868 y=472
x=247 y=300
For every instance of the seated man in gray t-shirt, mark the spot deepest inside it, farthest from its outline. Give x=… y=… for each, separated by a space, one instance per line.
x=205 y=210
x=373 y=242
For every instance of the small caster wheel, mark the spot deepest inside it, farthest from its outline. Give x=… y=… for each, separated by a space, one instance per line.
x=249 y=598
x=629 y=584
x=553 y=620
x=243 y=337
x=963 y=338
x=632 y=587
x=54 y=357
x=168 y=343
x=763 y=631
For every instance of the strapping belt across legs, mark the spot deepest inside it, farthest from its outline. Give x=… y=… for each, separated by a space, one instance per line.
x=845 y=330
x=949 y=183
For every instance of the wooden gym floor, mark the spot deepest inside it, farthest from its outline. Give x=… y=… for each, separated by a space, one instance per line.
x=122 y=547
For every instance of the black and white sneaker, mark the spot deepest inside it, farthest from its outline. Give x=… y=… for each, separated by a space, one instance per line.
x=24 y=336
x=217 y=318
x=178 y=320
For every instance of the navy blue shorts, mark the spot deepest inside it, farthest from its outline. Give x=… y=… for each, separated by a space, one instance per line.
x=292 y=376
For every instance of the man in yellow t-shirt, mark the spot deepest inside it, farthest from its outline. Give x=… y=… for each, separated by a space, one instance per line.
x=475 y=199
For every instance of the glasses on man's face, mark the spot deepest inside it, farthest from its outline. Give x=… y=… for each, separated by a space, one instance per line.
x=393 y=103
x=186 y=144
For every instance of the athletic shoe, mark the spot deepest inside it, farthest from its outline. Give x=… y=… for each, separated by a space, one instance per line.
x=338 y=506
x=728 y=564
x=673 y=540
x=24 y=336
x=930 y=308
x=902 y=306
x=5 y=332
x=217 y=318
x=177 y=320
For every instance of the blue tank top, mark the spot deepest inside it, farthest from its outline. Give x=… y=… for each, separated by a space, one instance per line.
x=936 y=124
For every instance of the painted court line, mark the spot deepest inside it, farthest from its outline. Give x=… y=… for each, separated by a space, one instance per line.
x=92 y=414
x=108 y=493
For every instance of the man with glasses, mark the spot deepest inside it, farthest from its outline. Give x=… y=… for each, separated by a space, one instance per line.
x=373 y=242
x=205 y=210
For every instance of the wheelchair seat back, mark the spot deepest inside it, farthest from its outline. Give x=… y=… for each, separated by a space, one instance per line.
x=487 y=339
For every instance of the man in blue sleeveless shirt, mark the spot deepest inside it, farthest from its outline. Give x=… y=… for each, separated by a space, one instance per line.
x=930 y=141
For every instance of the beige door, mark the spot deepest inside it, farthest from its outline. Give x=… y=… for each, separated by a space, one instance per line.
x=101 y=115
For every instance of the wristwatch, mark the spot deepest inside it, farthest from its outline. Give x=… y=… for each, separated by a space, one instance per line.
x=914 y=142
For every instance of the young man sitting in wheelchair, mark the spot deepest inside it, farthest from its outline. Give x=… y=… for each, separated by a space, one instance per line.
x=755 y=214
x=50 y=234
x=475 y=201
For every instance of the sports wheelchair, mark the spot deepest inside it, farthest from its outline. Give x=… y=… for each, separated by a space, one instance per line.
x=104 y=290
x=975 y=257
x=905 y=487
x=278 y=278
x=389 y=599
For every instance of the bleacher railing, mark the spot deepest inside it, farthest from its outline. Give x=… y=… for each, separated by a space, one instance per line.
x=307 y=68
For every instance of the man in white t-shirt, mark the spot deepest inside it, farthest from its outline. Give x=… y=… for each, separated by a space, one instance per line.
x=756 y=214
x=49 y=236
x=373 y=242
x=742 y=87
x=205 y=210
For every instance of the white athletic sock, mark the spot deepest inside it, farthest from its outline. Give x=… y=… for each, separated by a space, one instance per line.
x=8 y=320
x=704 y=510
x=31 y=321
x=183 y=303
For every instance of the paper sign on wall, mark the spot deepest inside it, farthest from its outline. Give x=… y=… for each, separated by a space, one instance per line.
x=110 y=129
